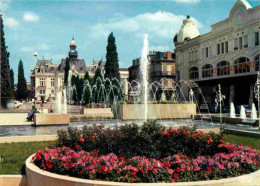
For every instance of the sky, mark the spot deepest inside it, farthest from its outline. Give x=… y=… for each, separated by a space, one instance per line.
x=47 y=26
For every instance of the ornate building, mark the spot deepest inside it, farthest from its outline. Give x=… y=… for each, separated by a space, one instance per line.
x=227 y=55
x=48 y=78
x=162 y=69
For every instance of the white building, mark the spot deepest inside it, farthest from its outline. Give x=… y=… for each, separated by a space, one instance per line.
x=48 y=78
x=227 y=55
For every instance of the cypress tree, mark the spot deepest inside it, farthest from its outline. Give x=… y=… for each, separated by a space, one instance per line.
x=21 y=85
x=5 y=79
x=12 y=78
x=112 y=65
x=66 y=73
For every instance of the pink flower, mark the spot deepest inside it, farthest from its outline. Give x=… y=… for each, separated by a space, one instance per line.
x=197 y=168
x=170 y=171
x=155 y=171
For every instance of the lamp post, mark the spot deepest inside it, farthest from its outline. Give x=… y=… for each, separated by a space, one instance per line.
x=219 y=100
x=35 y=54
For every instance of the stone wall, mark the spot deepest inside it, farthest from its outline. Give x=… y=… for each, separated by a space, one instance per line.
x=155 y=111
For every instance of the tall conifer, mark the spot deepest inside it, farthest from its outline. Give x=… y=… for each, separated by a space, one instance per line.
x=21 y=85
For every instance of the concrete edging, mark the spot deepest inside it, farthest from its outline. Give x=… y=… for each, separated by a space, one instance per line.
x=13 y=180
x=39 y=177
x=242 y=133
x=17 y=139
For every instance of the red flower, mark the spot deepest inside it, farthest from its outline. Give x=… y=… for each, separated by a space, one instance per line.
x=134 y=173
x=209 y=169
x=155 y=171
x=82 y=140
x=132 y=180
x=122 y=158
x=167 y=164
x=95 y=153
x=172 y=180
x=142 y=171
x=49 y=165
x=209 y=141
x=205 y=175
x=240 y=144
x=93 y=137
x=175 y=176
x=76 y=146
x=178 y=169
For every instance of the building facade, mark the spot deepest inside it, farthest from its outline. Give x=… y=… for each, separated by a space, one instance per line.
x=48 y=78
x=227 y=55
x=162 y=69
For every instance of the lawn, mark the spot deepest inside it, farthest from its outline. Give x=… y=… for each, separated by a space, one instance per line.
x=15 y=154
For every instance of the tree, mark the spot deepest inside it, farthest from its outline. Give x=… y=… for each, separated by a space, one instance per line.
x=112 y=65
x=5 y=79
x=66 y=73
x=21 y=85
x=12 y=78
x=96 y=85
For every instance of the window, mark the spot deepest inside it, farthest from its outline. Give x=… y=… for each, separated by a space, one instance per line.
x=194 y=73
x=52 y=82
x=40 y=91
x=42 y=82
x=257 y=62
x=256 y=38
x=240 y=43
x=226 y=46
x=236 y=44
x=222 y=48
x=207 y=52
x=218 y=49
x=43 y=91
x=242 y=65
x=207 y=71
x=203 y=52
x=246 y=41
x=223 y=68
x=52 y=91
x=210 y=51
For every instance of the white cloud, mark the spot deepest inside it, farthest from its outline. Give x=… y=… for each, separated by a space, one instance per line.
x=4 y=5
x=30 y=16
x=159 y=24
x=188 y=1
x=10 y=22
x=33 y=48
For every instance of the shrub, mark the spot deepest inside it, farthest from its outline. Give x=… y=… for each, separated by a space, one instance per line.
x=151 y=140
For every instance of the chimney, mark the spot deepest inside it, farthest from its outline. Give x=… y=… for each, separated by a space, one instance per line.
x=168 y=55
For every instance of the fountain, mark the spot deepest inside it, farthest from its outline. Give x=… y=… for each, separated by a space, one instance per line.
x=145 y=70
x=232 y=113
x=253 y=112
x=242 y=112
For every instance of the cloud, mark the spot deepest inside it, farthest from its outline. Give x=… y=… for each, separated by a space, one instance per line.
x=159 y=24
x=187 y=1
x=33 y=48
x=4 y=5
x=11 y=22
x=31 y=17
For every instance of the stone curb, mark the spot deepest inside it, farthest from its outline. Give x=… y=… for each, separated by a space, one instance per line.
x=39 y=177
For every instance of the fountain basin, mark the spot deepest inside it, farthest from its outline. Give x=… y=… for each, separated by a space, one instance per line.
x=235 y=120
x=39 y=177
x=97 y=112
x=155 y=111
x=51 y=119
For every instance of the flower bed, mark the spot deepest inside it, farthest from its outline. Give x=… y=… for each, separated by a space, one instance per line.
x=86 y=159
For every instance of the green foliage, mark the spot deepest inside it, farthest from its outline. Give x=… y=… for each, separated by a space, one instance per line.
x=21 y=85
x=150 y=140
x=112 y=65
x=66 y=73
x=5 y=84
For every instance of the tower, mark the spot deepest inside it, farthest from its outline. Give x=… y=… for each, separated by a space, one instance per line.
x=73 y=52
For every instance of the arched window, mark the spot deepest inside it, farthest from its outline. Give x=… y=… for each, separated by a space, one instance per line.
x=223 y=68
x=257 y=62
x=207 y=71
x=242 y=65
x=194 y=73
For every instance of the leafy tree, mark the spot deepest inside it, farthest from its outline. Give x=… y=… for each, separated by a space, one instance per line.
x=112 y=65
x=21 y=85
x=5 y=79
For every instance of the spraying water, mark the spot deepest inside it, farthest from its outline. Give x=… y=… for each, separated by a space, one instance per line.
x=232 y=113
x=253 y=112
x=144 y=71
x=243 y=112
